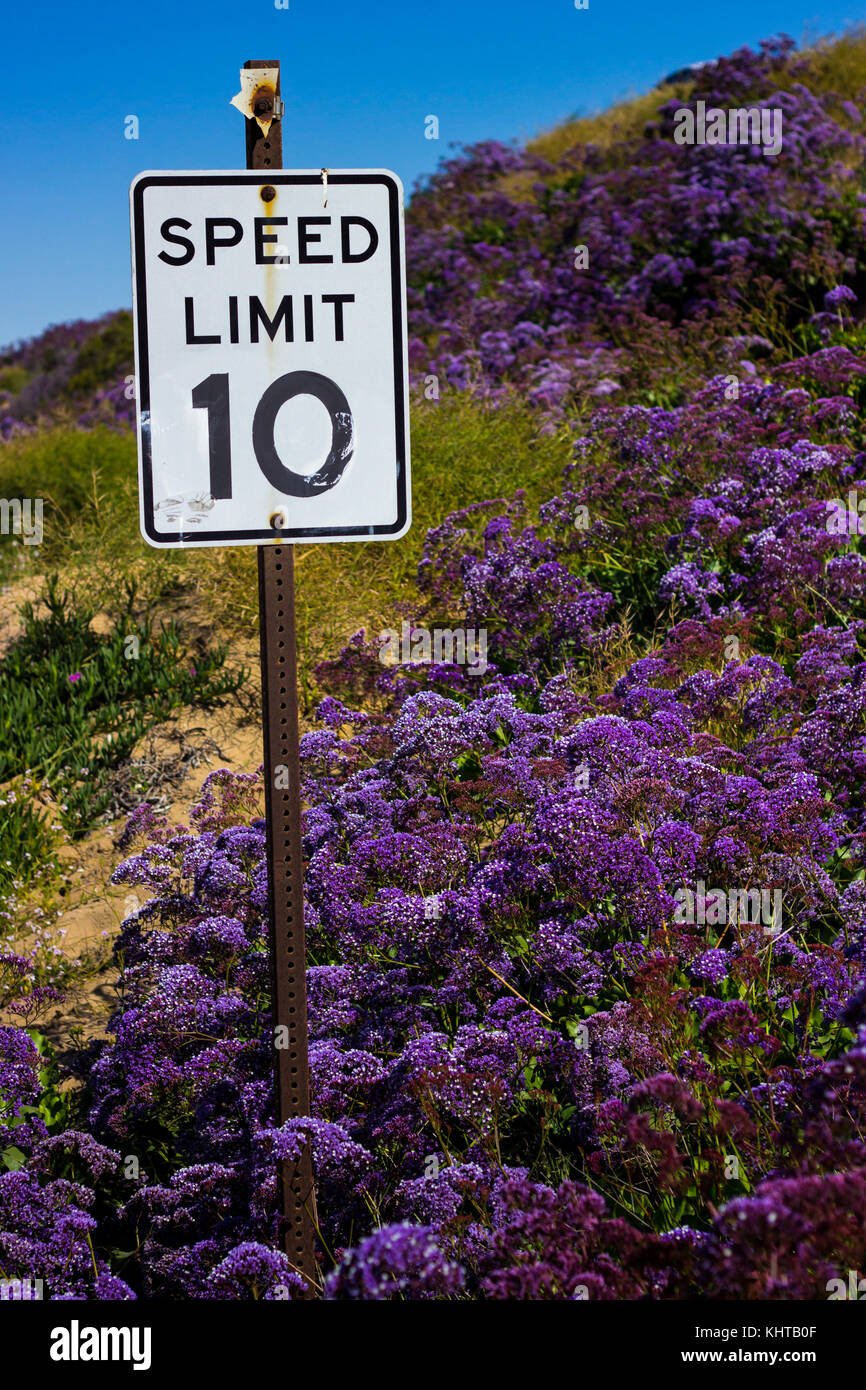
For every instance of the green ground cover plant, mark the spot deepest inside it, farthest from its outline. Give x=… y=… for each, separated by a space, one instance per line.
x=74 y=702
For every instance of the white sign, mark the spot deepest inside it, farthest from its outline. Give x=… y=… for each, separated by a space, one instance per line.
x=271 y=373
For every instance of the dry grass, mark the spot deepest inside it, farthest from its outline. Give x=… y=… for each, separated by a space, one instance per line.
x=837 y=63
x=606 y=128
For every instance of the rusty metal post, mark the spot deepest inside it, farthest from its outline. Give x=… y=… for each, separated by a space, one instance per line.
x=283 y=802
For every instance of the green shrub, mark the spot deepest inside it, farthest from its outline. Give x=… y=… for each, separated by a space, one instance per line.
x=102 y=358
x=74 y=703
x=27 y=841
x=80 y=474
x=13 y=378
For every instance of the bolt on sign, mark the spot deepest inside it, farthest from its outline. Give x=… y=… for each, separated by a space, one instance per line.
x=270 y=323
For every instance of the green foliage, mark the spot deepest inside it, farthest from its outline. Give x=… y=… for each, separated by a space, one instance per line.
x=73 y=703
x=27 y=841
x=13 y=378
x=86 y=481
x=72 y=469
x=53 y=1102
x=13 y=1158
x=103 y=357
x=837 y=63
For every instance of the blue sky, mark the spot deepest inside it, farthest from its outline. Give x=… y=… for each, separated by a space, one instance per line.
x=358 y=78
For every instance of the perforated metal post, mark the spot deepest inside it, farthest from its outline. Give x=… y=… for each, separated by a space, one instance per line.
x=283 y=801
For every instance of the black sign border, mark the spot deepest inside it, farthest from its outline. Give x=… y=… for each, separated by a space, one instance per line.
x=279 y=179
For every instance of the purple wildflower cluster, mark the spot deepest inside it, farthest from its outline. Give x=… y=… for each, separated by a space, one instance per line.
x=62 y=374
x=674 y=235
x=532 y=1076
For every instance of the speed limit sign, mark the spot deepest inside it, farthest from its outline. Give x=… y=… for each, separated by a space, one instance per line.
x=271 y=374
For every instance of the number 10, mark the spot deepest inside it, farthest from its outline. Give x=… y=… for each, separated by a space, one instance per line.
x=212 y=395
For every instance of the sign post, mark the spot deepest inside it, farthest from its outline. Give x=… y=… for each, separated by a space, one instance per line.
x=270 y=331
x=287 y=945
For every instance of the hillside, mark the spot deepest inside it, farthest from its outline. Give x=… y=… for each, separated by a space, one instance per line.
x=586 y=915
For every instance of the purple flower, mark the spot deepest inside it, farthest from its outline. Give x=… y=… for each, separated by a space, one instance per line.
x=401 y=1261
x=255 y=1271
x=838 y=296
